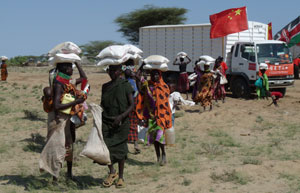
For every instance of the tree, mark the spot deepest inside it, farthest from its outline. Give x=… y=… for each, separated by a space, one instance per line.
x=149 y=15
x=92 y=49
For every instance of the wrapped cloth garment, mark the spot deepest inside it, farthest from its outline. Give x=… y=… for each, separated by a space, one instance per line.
x=205 y=94
x=153 y=105
x=114 y=102
x=4 y=73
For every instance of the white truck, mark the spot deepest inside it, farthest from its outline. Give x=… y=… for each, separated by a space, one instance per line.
x=243 y=52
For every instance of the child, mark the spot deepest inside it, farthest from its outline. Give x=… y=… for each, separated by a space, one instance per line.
x=47 y=99
x=275 y=97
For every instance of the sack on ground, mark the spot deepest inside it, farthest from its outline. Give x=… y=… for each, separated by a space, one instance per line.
x=170 y=136
x=95 y=147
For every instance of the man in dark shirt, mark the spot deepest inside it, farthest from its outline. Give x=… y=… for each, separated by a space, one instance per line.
x=183 y=83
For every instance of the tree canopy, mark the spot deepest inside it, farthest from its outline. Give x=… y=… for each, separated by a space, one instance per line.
x=92 y=49
x=149 y=15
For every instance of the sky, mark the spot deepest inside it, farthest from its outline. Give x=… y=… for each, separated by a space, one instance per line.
x=33 y=27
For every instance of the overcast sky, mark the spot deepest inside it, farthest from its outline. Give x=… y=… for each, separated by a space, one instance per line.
x=33 y=27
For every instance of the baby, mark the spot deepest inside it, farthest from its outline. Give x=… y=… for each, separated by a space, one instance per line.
x=47 y=99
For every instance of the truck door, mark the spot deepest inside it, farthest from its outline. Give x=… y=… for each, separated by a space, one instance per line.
x=244 y=60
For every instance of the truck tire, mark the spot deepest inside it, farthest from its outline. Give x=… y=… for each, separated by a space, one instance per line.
x=240 y=89
x=282 y=90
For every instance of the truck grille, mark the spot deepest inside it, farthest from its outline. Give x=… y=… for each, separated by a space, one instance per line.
x=277 y=77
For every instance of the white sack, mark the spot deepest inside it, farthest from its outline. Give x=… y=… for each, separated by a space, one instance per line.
x=95 y=147
x=192 y=76
x=4 y=58
x=163 y=67
x=206 y=60
x=156 y=60
x=65 y=48
x=64 y=58
x=114 y=51
x=181 y=54
x=133 y=49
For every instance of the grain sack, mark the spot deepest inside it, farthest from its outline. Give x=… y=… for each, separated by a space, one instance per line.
x=156 y=60
x=95 y=147
x=131 y=49
x=114 y=51
x=64 y=58
x=65 y=48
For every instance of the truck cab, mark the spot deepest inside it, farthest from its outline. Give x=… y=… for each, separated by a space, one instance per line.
x=243 y=62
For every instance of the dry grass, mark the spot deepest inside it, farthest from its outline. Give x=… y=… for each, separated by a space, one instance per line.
x=212 y=152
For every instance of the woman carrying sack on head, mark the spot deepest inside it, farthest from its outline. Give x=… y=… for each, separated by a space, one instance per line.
x=204 y=91
x=153 y=105
x=117 y=103
x=4 y=72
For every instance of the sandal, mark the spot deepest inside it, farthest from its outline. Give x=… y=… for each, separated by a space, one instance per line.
x=120 y=183
x=111 y=178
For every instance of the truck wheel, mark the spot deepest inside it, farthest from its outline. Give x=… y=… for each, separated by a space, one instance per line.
x=240 y=88
x=282 y=90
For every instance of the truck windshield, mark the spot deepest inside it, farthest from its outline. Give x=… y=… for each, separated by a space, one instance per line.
x=273 y=53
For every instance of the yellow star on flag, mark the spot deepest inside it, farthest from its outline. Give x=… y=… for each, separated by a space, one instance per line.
x=238 y=12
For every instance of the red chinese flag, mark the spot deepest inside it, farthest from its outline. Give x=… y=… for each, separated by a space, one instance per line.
x=270 y=36
x=227 y=22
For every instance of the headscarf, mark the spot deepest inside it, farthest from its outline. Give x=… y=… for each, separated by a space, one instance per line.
x=160 y=93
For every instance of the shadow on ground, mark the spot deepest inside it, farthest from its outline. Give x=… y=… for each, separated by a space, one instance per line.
x=130 y=161
x=33 y=116
x=35 y=143
x=44 y=182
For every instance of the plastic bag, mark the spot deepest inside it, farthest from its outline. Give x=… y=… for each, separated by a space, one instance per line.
x=142 y=131
x=259 y=83
x=95 y=147
x=170 y=136
x=223 y=80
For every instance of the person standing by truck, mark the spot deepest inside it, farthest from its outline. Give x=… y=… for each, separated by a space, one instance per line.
x=262 y=83
x=183 y=83
x=219 y=86
x=296 y=62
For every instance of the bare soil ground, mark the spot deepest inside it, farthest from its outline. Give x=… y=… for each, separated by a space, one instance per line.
x=239 y=146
